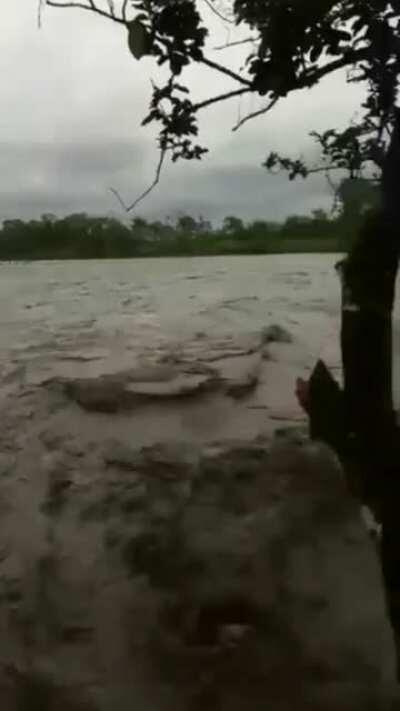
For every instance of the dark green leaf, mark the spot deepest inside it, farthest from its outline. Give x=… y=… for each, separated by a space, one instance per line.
x=138 y=39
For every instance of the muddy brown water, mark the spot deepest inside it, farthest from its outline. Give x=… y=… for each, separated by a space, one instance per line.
x=98 y=307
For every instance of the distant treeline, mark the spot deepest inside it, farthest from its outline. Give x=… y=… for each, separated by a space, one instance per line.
x=81 y=236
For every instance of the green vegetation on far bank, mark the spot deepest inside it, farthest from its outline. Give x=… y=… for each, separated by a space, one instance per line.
x=80 y=236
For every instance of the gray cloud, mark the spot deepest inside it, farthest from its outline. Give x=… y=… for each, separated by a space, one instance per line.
x=249 y=192
x=54 y=177
x=68 y=177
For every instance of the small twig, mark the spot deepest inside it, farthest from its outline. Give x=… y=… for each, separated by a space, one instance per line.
x=124 y=10
x=330 y=182
x=91 y=7
x=323 y=169
x=254 y=114
x=119 y=198
x=129 y=208
x=335 y=191
x=239 y=111
x=39 y=13
x=221 y=97
x=112 y=7
x=235 y=44
x=219 y=14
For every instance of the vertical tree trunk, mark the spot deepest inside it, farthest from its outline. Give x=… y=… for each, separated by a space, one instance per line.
x=373 y=438
x=359 y=422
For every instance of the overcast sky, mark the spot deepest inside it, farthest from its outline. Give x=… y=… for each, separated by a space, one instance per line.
x=72 y=99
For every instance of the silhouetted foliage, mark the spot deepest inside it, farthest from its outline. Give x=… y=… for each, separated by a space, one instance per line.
x=293 y=46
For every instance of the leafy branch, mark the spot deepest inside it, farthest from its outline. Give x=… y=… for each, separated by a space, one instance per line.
x=292 y=46
x=90 y=6
x=350 y=150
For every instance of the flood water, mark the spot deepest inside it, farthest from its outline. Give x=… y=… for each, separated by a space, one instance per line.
x=79 y=493
x=48 y=308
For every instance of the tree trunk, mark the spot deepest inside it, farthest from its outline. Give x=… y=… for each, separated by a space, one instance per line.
x=373 y=451
x=360 y=422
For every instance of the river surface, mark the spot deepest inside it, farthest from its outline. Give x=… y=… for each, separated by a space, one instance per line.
x=177 y=486
x=51 y=308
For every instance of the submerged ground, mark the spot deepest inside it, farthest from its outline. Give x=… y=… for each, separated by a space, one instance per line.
x=168 y=535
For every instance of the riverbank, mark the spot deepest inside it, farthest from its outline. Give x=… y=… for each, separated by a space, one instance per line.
x=81 y=236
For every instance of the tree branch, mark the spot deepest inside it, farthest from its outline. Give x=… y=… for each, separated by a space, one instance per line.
x=225 y=70
x=304 y=81
x=308 y=79
x=254 y=114
x=221 y=97
x=91 y=7
x=129 y=208
x=312 y=78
